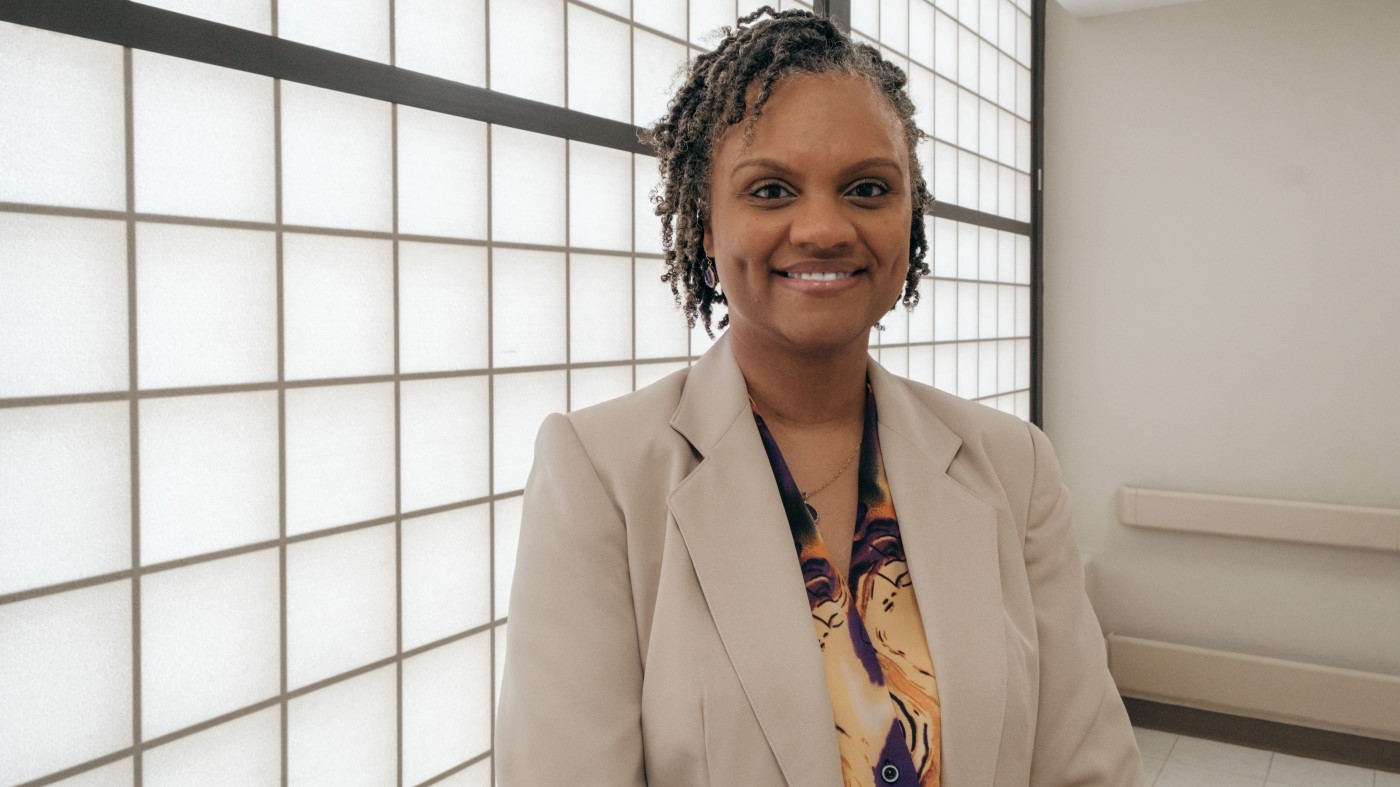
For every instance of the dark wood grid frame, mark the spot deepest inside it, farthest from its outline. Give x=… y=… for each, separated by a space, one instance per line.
x=156 y=30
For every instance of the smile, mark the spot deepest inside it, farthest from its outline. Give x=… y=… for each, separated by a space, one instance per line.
x=828 y=276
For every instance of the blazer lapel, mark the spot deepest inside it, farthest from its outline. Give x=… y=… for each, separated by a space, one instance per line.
x=732 y=521
x=950 y=538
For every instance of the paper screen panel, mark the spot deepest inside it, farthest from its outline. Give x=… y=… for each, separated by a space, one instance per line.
x=601 y=52
x=442 y=174
x=446 y=707
x=528 y=308
x=521 y=403
x=245 y=751
x=360 y=28
x=255 y=15
x=446 y=574
x=345 y=733
x=600 y=211
x=209 y=476
x=445 y=38
x=600 y=308
x=666 y=16
x=337 y=159
x=340 y=455
x=69 y=468
x=338 y=306
x=443 y=307
x=527 y=187
x=507 y=542
x=444 y=432
x=527 y=49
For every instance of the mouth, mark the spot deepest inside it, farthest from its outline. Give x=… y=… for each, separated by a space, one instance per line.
x=816 y=275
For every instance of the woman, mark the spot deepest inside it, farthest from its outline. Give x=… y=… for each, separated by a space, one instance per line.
x=785 y=565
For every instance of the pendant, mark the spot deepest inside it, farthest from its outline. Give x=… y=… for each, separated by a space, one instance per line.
x=812 y=512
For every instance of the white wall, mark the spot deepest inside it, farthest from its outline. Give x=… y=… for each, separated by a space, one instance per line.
x=1223 y=307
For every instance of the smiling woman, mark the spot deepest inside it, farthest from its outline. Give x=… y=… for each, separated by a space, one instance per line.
x=785 y=565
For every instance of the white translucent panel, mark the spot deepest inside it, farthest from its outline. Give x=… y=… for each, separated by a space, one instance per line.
x=521 y=403
x=968 y=182
x=660 y=324
x=354 y=27
x=345 y=733
x=478 y=774
x=894 y=24
x=944 y=241
x=747 y=7
x=896 y=323
x=899 y=60
x=987 y=130
x=340 y=455
x=921 y=33
x=527 y=186
x=1006 y=366
x=206 y=305
x=445 y=38
x=527 y=49
x=65 y=663
x=969 y=53
x=1022 y=407
x=1023 y=92
x=1023 y=259
x=338 y=306
x=945 y=367
x=921 y=364
x=63 y=314
x=945 y=310
x=337 y=159
x=1006 y=190
x=864 y=39
x=1006 y=26
x=945 y=173
x=602 y=47
x=444 y=440
x=1023 y=39
x=707 y=17
x=1023 y=197
x=986 y=311
x=1023 y=311
x=442 y=174
x=117 y=774
x=599 y=384
x=968 y=301
x=921 y=318
x=340 y=603
x=1022 y=378
x=600 y=205
x=245 y=751
x=1006 y=82
x=667 y=16
x=648 y=373
x=987 y=249
x=500 y=657
x=968 y=13
x=986 y=368
x=865 y=16
x=600 y=308
x=987 y=184
x=443 y=317
x=446 y=574
x=1006 y=257
x=507 y=541
x=967 y=370
x=208 y=473
x=968 y=117
x=646 y=225
x=203 y=139
x=945 y=46
x=62 y=127
x=446 y=707
x=786 y=5
x=209 y=640
x=656 y=70
x=620 y=7
x=65 y=510
x=945 y=113
x=701 y=341
x=1006 y=137
x=255 y=15
x=1023 y=145
x=921 y=92
x=969 y=249
x=527 y=296
x=896 y=360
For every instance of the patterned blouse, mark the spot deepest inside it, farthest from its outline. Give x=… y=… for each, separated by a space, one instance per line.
x=878 y=671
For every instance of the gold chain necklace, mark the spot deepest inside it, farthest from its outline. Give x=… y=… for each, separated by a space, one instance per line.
x=809 y=495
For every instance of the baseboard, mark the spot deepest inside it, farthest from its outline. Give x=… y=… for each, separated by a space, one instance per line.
x=1349 y=702
x=1271 y=735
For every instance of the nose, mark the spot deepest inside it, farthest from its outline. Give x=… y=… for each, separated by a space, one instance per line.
x=822 y=224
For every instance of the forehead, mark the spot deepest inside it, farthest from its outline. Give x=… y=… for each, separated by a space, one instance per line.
x=817 y=119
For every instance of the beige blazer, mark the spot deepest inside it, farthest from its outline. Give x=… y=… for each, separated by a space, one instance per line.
x=659 y=631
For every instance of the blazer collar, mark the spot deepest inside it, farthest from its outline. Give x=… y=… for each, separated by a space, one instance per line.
x=732 y=522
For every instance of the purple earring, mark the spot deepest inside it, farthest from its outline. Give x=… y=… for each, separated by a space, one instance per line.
x=709 y=275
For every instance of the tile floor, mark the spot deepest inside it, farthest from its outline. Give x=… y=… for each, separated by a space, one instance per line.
x=1172 y=760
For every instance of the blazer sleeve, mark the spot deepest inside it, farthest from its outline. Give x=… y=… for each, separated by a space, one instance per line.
x=1083 y=736
x=570 y=704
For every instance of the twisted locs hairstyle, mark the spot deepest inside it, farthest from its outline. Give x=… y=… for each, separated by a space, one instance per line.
x=714 y=97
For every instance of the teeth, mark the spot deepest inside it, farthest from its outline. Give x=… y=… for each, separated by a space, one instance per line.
x=831 y=276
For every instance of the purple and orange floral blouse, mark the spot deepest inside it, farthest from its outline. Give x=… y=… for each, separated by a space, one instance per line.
x=878 y=670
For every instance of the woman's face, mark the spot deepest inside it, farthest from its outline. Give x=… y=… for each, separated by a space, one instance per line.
x=809 y=222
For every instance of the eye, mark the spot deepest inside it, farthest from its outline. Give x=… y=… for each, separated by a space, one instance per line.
x=770 y=191
x=869 y=189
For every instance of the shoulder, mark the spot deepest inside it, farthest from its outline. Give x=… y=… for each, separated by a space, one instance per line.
x=987 y=430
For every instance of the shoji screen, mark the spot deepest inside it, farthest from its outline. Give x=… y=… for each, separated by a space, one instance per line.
x=274 y=348
x=969 y=73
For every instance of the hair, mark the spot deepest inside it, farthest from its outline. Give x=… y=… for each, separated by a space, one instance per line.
x=714 y=97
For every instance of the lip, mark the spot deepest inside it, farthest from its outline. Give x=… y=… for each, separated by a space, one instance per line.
x=819 y=286
x=821 y=266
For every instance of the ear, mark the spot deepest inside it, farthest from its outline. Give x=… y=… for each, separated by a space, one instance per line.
x=708 y=241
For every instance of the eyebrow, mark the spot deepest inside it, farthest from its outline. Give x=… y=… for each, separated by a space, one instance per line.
x=774 y=164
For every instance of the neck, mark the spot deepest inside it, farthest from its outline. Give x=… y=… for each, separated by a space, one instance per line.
x=803 y=390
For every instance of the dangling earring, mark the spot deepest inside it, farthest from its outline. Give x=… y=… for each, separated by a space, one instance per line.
x=710 y=277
